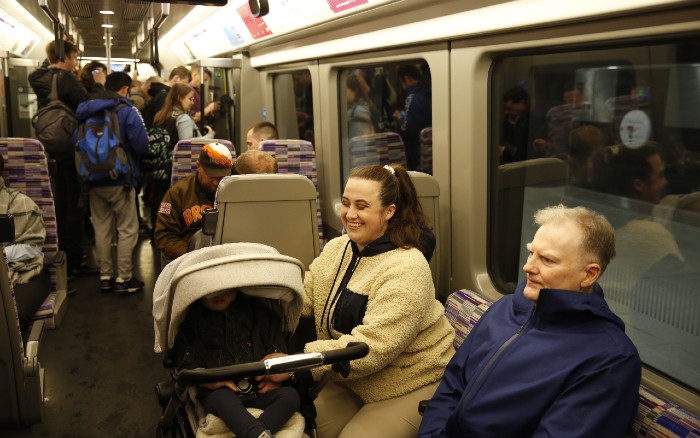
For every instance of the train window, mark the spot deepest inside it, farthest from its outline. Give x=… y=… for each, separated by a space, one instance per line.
x=386 y=115
x=294 y=110
x=615 y=130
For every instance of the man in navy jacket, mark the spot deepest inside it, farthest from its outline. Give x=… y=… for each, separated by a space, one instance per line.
x=551 y=359
x=113 y=201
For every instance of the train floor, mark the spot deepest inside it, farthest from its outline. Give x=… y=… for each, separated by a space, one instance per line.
x=99 y=363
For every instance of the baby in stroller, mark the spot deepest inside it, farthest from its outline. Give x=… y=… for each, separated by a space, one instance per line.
x=225 y=305
x=231 y=328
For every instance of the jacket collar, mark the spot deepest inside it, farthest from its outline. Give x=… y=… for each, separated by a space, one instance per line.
x=566 y=306
x=379 y=246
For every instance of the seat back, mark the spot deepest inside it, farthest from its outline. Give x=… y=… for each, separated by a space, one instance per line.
x=428 y=191
x=425 y=141
x=656 y=416
x=297 y=157
x=275 y=209
x=383 y=148
x=21 y=381
x=519 y=193
x=26 y=170
x=186 y=154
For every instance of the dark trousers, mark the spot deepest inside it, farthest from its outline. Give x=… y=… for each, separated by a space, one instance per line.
x=69 y=216
x=278 y=405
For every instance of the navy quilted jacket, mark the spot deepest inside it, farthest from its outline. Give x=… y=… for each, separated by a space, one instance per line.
x=562 y=368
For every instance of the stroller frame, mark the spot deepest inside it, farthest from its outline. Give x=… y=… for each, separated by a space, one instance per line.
x=256 y=270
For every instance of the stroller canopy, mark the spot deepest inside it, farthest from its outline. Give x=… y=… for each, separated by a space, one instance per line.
x=255 y=269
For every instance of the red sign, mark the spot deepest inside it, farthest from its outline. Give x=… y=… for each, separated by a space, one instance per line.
x=256 y=26
x=344 y=5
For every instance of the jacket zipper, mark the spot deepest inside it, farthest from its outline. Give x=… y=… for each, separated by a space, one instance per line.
x=490 y=364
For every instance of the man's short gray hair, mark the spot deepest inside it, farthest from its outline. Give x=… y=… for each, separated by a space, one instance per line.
x=598 y=235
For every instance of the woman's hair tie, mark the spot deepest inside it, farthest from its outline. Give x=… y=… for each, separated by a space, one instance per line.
x=390 y=169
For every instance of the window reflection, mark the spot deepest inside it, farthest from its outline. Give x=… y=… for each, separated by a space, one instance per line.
x=386 y=115
x=618 y=121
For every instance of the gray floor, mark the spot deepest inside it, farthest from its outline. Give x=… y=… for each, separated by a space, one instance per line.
x=100 y=365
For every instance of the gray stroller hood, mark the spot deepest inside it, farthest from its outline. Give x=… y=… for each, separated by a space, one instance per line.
x=255 y=269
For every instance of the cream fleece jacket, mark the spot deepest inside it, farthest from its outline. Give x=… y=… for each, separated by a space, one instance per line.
x=409 y=338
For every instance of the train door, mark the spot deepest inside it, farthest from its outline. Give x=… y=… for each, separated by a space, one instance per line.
x=19 y=107
x=220 y=82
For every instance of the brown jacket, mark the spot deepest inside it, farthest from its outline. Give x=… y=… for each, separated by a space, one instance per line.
x=180 y=215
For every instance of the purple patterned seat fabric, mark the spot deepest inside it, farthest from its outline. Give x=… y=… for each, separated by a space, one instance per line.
x=426 y=150
x=298 y=157
x=186 y=154
x=26 y=169
x=383 y=148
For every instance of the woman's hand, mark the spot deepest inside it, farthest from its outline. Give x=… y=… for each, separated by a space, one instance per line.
x=216 y=385
x=210 y=130
x=99 y=76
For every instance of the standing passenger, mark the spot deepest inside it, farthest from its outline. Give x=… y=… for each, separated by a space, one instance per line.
x=113 y=201
x=374 y=285
x=69 y=214
x=551 y=359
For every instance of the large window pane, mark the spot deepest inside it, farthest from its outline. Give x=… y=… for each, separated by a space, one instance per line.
x=294 y=110
x=386 y=115
x=615 y=130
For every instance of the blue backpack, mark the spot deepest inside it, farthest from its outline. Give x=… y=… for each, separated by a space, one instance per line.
x=99 y=151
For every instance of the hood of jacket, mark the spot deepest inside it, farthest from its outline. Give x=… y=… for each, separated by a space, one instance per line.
x=107 y=99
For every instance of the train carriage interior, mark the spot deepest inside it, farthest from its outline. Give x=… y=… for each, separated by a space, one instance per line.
x=497 y=108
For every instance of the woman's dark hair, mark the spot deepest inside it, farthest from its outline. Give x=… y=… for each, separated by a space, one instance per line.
x=408 y=222
x=172 y=101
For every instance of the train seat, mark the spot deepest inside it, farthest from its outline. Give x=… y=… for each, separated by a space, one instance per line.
x=656 y=416
x=275 y=209
x=26 y=169
x=186 y=154
x=299 y=157
x=428 y=192
x=21 y=375
x=425 y=141
x=383 y=148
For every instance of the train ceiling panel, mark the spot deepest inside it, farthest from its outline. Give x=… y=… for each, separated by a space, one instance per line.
x=129 y=18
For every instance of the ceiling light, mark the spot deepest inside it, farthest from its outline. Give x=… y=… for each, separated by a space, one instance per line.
x=108 y=26
x=107 y=12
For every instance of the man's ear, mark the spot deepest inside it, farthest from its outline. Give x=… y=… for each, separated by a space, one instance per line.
x=592 y=272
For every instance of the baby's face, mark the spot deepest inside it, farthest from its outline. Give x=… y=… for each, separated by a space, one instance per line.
x=220 y=302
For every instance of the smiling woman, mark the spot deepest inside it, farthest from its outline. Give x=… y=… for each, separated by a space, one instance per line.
x=357 y=290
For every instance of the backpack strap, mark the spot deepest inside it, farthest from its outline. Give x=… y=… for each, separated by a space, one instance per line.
x=115 y=120
x=53 y=95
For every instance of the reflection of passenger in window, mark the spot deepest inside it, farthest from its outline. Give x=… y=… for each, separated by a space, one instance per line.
x=416 y=113
x=514 y=140
x=359 y=115
x=646 y=248
x=585 y=140
x=560 y=121
x=304 y=104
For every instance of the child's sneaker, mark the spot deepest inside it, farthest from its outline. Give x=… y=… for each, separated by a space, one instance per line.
x=128 y=287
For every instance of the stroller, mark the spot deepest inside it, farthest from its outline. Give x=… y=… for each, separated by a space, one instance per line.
x=255 y=270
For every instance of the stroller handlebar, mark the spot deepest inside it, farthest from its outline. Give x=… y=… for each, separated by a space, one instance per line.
x=278 y=365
